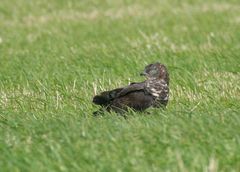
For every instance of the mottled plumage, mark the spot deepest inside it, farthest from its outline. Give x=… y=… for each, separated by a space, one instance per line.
x=154 y=91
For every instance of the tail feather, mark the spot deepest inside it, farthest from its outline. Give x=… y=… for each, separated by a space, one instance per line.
x=106 y=97
x=101 y=100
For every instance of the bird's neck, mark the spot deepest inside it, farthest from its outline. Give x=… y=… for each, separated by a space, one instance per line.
x=153 y=79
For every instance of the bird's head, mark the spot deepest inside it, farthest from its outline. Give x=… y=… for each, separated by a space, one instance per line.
x=156 y=71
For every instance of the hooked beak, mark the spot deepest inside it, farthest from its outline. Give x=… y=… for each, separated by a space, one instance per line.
x=143 y=73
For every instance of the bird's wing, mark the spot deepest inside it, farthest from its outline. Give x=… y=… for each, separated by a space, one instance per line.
x=132 y=83
x=131 y=88
x=104 y=98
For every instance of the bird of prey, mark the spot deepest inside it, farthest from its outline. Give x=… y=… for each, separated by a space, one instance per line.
x=153 y=92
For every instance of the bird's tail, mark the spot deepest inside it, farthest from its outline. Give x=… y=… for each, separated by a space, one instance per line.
x=106 y=97
x=101 y=100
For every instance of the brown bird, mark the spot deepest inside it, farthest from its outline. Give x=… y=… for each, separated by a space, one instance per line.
x=153 y=92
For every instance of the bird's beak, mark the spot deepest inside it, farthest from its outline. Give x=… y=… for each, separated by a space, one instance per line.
x=143 y=73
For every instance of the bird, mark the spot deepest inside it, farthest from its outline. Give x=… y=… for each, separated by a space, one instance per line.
x=138 y=96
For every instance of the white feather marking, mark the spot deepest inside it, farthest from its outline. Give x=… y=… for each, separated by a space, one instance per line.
x=165 y=98
x=155 y=94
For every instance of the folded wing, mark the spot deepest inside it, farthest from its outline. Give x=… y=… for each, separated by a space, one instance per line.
x=132 y=96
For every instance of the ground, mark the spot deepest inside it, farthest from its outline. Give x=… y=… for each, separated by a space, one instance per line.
x=54 y=55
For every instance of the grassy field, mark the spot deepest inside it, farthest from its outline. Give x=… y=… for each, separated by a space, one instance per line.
x=54 y=53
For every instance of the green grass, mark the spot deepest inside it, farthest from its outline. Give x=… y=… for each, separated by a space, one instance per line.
x=53 y=54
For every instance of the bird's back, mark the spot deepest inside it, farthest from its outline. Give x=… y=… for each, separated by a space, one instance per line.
x=136 y=100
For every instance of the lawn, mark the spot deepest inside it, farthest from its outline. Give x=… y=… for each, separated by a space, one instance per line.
x=54 y=54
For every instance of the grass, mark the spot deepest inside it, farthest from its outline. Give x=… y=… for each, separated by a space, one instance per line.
x=54 y=53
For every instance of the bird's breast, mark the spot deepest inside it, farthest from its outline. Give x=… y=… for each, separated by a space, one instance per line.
x=156 y=87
